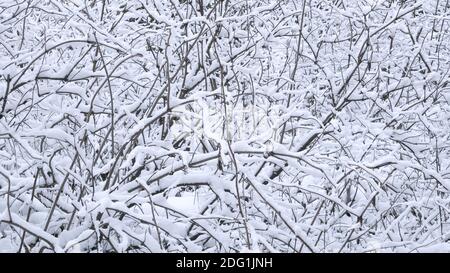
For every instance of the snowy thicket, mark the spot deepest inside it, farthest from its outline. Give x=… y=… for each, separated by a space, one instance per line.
x=224 y=125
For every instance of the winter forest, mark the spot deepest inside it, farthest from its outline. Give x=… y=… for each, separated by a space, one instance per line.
x=224 y=126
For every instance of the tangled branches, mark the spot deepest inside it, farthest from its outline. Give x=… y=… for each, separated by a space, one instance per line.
x=224 y=126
